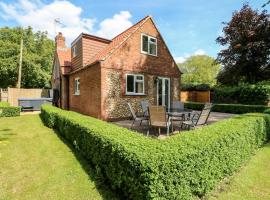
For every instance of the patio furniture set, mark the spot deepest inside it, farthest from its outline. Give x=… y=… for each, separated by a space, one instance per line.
x=163 y=117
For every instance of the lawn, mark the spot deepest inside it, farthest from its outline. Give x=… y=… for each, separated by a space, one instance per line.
x=252 y=182
x=36 y=164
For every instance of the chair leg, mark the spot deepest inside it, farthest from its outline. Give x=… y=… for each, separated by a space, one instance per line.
x=141 y=122
x=158 y=131
x=168 y=127
x=132 y=123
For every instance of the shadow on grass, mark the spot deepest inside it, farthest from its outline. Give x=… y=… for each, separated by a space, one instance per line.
x=101 y=186
x=4 y=136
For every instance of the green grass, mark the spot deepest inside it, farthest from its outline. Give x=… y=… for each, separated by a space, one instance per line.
x=252 y=182
x=36 y=164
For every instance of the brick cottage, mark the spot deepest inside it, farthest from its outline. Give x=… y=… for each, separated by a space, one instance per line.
x=97 y=76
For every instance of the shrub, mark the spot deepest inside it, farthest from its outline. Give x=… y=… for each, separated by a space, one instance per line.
x=267 y=111
x=9 y=111
x=179 y=167
x=258 y=94
x=192 y=87
x=228 y=108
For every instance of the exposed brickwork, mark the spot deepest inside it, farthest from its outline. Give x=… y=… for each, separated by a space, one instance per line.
x=89 y=100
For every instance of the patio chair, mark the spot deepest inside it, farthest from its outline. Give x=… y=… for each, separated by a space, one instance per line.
x=178 y=105
x=198 y=118
x=157 y=118
x=135 y=116
x=145 y=105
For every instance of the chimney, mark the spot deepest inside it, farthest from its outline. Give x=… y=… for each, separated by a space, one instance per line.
x=60 y=41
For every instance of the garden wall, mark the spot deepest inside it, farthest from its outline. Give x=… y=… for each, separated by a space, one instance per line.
x=180 y=167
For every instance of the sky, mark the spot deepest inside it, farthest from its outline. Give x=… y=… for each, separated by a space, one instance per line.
x=189 y=27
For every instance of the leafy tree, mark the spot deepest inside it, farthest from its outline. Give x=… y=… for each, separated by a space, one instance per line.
x=37 y=57
x=200 y=69
x=246 y=57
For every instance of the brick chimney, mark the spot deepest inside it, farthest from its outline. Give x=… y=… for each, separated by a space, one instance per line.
x=60 y=41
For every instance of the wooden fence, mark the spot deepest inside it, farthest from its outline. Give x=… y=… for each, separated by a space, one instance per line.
x=195 y=96
x=12 y=95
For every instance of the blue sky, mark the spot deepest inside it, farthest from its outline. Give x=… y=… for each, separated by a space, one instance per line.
x=188 y=26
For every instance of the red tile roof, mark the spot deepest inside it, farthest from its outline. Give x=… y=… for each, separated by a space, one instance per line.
x=64 y=57
x=116 y=42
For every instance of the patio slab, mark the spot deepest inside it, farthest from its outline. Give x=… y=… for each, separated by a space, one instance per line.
x=214 y=117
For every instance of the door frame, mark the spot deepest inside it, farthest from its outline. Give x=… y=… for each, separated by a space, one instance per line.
x=161 y=78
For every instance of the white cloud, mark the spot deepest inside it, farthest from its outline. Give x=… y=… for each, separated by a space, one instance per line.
x=115 y=25
x=181 y=59
x=41 y=16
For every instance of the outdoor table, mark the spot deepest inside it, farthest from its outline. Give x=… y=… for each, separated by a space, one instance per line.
x=177 y=113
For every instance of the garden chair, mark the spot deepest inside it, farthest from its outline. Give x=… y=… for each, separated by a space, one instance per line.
x=198 y=118
x=157 y=118
x=178 y=105
x=145 y=105
x=135 y=116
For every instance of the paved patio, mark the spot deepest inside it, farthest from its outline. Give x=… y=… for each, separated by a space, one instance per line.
x=214 y=117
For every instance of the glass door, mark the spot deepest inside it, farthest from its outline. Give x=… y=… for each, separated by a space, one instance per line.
x=163 y=92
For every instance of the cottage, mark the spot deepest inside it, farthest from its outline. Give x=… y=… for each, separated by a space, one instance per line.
x=97 y=76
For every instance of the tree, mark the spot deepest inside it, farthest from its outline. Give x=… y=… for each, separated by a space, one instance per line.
x=200 y=69
x=37 y=57
x=246 y=57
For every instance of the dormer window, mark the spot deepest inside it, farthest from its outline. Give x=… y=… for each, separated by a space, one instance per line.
x=74 y=51
x=148 y=45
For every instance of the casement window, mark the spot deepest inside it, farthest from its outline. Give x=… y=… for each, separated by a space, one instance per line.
x=148 y=45
x=77 y=86
x=74 y=51
x=134 y=84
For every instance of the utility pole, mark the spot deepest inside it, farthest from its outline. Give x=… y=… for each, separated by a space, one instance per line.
x=20 y=66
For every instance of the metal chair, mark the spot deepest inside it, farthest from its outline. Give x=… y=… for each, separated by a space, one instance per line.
x=145 y=105
x=178 y=105
x=135 y=116
x=157 y=118
x=198 y=118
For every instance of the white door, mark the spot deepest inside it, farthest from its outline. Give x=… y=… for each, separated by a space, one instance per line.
x=163 y=92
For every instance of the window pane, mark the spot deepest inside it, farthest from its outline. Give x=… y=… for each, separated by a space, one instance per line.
x=139 y=78
x=153 y=48
x=145 y=43
x=130 y=83
x=139 y=87
x=153 y=40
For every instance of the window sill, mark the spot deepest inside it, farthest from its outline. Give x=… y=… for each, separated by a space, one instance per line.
x=128 y=94
x=148 y=54
x=77 y=94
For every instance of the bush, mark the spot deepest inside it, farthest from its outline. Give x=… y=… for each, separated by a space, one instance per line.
x=179 y=167
x=267 y=111
x=228 y=108
x=9 y=111
x=192 y=87
x=258 y=94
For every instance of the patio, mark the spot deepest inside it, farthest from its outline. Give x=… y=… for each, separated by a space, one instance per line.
x=214 y=117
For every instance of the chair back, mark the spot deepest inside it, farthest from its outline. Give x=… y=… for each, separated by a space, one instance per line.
x=178 y=105
x=145 y=105
x=157 y=114
x=131 y=111
x=204 y=115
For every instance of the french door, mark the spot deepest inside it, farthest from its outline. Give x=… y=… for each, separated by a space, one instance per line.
x=163 y=92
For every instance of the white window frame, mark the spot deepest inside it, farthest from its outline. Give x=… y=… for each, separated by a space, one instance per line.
x=77 y=86
x=134 y=84
x=149 y=42
x=74 y=51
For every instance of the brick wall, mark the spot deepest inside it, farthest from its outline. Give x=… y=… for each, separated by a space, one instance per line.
x=89 y=100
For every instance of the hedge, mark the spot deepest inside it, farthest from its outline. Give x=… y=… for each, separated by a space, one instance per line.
x=267 y=111
x=9 y=111
x=258 y=94
x=228 y=108
x=179 y=167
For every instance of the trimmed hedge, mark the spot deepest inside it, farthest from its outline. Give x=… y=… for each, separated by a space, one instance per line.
x=267 y=111
x=228 y=108
x=9 y=111
x=181 y=166
x=258 y=94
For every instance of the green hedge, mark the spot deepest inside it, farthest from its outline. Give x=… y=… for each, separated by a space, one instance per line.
x=194 y=87
x=9 y=111
x=184 y=165
x=258 y=94
x=267 y=111
x=228 y=108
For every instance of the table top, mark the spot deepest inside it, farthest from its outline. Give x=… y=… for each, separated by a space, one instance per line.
x=175 y=112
